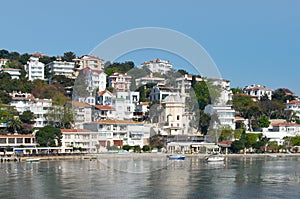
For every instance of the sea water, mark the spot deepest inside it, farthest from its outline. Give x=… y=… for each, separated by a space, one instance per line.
x=144 y=177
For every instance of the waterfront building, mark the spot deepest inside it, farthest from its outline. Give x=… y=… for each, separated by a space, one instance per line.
x=34 y=69
x=258 y=91
x=120 y=132
x=13 y=72
x=89 y=61
x=119 y=82
x=79 y=139
x=158 y=66
x=16 y=140
x=59 y=67
x=149 y=79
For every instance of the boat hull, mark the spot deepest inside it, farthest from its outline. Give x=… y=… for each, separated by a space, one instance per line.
x=176 y=157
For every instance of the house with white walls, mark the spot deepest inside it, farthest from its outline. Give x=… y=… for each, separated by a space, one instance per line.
x=34 y=69
x=158 y=66
x=258 y=91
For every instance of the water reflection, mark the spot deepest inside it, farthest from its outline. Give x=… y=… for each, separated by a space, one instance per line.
x=152 y=178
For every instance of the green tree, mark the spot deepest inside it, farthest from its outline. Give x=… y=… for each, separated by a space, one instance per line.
x=282 y=96
x=27 y=117
x=49 y=136
x=226 y=134
x=5 y=98
x=263 y=122
x=146 y=148
x=69 y=56
x=237 y=145
x=157 y=141
x=236 y=91
x=14 y=125
x=241 y=104
x=126 y=147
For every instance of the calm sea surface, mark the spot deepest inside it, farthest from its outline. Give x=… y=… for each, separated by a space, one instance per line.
x=262 y=177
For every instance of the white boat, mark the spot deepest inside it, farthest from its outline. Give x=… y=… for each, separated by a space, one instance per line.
x=33 y=160
x=215 y=158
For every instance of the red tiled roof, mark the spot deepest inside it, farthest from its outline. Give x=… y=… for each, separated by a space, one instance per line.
x=103 y=92
x=294 y=102
x=74 y=130
x=16 y=136
x=118 y=122
x=80 y=104
x=104 y=107
x=287 y=124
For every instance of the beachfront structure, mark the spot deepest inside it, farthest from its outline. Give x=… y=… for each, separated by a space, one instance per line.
x=186 y=80
x=225 y=114
x=120 y=132
x=27 y=102
x=125 y=104
x=258 y=91
x=89 y=61
x=293 y=107
x=149 y=79
x=158 y=66
x=16 y=140
x=82 y=113
x=61 y=68
x=13 y=72
x=119 y=82
x=160 y=92
x=79 y=139
x=34 y=69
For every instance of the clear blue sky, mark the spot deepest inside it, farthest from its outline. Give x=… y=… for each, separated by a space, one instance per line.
x=250 y=41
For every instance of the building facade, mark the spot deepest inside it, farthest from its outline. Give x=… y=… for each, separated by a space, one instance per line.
x=89 y=61
x=258 y=91
x=158 y=66
x=61 y=68
x=119 y=82
x=34 y=69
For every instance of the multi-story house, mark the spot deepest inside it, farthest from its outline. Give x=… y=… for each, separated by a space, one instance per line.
x=13 y=72
x=104 y=112
x=75 y=139
x=160 y=92
x=225 y=113
x=120 y=132
x=149 y=79
x=17 y=140
x=258 y=91
x=26 y=102
x=82 y=113
x=34 y=69
x=293 y=107
x=89 y=61
x=96 y=79
x=224 y=86
x=119 y=82
x=104 y=98
x=125 y=104
x=158 y=66
x=61 y=68
x=186 y=80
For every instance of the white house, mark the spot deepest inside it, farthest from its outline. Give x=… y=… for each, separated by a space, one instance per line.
x=82 y=113
x=104 y=112
x=87 y=140
x=26 y=102
x=225 y=113
x=104 y=98
x=149 y=79
x=226 y=93
x=293 y=107
x=120 y=82
x=96 y=79
x=13 y=72
x=3 y=61
x=160 y=92
x=34 y=69
x=158 y=66
x=61 y=68
x=120 y=132
x=17 y=140
x=258 y=91
x=125 y=104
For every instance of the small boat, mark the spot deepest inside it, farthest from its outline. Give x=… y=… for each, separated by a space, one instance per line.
x=176 y=157
x=215 y=158
x=33 y=160
x=123 y=152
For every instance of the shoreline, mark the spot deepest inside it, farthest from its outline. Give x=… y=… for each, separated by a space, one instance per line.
x=145 y=155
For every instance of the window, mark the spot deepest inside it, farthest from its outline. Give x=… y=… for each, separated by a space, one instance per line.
x=19 y=140
x=11 y=140
x=2 y=140
x=27 y=140
x=178 y=117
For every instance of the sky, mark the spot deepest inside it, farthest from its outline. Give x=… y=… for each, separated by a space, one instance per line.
x=251 y=42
